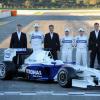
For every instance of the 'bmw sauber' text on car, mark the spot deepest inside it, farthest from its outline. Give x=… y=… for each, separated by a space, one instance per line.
x=39 y=65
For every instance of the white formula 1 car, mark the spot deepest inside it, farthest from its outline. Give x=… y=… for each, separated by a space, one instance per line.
x=39 y=65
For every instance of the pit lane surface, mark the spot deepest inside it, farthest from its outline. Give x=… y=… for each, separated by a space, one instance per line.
x=19 y=87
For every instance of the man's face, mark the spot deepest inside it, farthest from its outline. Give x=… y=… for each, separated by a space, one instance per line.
x=96 y=27
x=81 y=33
x=66 y=33
x=51 y=29
x=36 y=28
x=19 y=28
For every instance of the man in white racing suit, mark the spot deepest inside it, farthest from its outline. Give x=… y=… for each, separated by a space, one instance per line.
x=81 y=42
x=36 y=38
x=67 y=47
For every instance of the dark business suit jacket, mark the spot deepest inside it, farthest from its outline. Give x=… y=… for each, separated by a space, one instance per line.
x=94 y=42
x=16 y=43
x=54 y=43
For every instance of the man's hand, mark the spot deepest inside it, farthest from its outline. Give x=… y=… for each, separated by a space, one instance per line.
x=90 y=51
x=58 y=52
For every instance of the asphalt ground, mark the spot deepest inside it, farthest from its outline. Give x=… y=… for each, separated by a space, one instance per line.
x=18 y=88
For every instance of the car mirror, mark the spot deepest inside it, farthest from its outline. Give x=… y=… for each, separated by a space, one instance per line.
x=53 y=63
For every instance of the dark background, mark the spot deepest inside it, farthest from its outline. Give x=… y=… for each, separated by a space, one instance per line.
x=45 y=4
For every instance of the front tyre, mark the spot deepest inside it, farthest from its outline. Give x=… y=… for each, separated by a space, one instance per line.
x=2 y=71
x=7 y=70
x=64 y=79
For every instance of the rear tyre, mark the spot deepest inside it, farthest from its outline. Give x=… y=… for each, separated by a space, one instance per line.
x=64 y=79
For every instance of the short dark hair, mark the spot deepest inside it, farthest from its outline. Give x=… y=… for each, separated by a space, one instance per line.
x=51 y=26
x=96 y=23
x=19 y=25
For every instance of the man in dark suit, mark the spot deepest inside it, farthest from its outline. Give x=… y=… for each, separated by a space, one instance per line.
x=52 y=42
x=94 y=45
x=18 y=39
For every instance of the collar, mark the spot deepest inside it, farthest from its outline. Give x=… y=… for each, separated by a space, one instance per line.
x=36 y=31
x=18 y=32
x=51 y=32
x=67 y=35
x=82 y=35
x=96 y=31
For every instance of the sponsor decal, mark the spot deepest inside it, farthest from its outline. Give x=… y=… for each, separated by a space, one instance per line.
x=67 y=41
x=7 y=55
x=35 y=73
x=81 y=41
x=36 y=37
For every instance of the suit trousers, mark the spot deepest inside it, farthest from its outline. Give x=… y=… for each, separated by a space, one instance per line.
x=94 y=53
x=54 y=54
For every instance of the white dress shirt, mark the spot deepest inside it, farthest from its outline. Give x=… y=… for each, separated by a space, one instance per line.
x=96 y=33
x=19 y=35
x=51 y=34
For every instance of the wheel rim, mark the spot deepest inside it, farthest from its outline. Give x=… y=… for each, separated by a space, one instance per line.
x=2 y=70
x=63 y=78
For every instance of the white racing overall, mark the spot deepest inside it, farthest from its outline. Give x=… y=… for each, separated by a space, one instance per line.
x=36 y=39
x=66 y=49
x=81 y=49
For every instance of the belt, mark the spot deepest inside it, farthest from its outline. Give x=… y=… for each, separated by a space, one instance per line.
x=67 y=48
x=81 y=48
